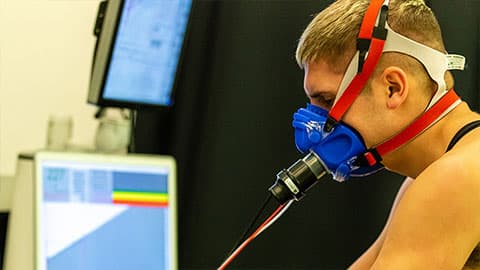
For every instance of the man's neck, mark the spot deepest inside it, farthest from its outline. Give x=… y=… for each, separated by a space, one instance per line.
x=430 y=145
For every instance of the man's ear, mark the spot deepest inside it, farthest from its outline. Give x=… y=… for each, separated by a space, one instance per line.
x=396 y=84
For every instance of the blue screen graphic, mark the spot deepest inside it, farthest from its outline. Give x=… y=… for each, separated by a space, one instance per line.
x=85 y=227
x=146 y=51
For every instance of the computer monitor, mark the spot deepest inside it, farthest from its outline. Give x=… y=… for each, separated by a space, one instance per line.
x=95 y=211
x=138 y=52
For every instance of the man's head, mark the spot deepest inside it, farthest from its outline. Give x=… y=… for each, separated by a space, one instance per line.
x=332 y=34
x=329 y=43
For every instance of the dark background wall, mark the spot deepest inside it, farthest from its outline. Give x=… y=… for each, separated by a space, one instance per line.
x=230 y=131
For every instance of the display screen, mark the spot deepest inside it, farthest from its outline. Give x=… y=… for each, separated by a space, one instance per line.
x=101 y=216
x=146 y=51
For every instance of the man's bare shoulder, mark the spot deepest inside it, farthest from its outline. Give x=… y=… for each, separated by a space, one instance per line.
x=458 y=171
x=437 y=222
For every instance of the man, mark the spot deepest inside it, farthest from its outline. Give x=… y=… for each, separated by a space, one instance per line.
x=435 y=220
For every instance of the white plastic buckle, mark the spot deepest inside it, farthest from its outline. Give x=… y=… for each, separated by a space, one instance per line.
x=455 y=62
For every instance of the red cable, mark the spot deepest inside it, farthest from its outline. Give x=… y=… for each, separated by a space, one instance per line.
x=250 y=238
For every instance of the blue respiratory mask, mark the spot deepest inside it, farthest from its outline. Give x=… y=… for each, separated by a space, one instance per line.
x=340 y=151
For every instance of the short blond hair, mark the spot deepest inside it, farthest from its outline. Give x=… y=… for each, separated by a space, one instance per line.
x=332 y=34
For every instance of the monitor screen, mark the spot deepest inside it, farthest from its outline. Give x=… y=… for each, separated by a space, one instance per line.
x=138 y=53
x=105 y=212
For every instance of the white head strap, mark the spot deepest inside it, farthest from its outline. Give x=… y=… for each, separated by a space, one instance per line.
x=435 y=62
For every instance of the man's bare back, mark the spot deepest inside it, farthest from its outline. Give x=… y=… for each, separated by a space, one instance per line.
x=447 y=229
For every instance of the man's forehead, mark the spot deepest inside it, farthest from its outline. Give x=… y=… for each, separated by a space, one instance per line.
x=338 y=65
x=320 y=77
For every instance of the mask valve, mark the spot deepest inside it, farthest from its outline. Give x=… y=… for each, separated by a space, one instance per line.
x=292 y=183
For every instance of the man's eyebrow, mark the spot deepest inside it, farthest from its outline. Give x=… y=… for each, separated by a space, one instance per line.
x=320 y=93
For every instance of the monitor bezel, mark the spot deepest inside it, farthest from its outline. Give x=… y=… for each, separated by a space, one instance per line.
x=102 y=60
x=157 y=161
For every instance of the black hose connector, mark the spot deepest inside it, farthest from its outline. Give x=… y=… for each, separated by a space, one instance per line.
x=294 y=182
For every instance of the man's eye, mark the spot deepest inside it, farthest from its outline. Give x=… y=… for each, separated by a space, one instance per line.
x=329 y=102
x=326 y=102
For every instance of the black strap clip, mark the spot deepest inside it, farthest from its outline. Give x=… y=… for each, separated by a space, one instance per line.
x=380 y=31
x=363 y=45
x=369 y=158
x=329 y=124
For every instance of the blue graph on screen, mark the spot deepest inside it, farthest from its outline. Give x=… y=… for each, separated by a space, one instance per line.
x=147 y=50
x=99 y=218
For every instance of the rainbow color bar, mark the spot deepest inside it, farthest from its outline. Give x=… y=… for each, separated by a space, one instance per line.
x=140 y=198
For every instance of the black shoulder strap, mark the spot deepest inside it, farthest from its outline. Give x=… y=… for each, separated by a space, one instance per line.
x=462 y=132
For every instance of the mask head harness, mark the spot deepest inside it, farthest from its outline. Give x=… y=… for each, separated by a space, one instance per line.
x=339 y=147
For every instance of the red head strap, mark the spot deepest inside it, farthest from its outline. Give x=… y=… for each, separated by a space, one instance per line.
x=370 y=42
